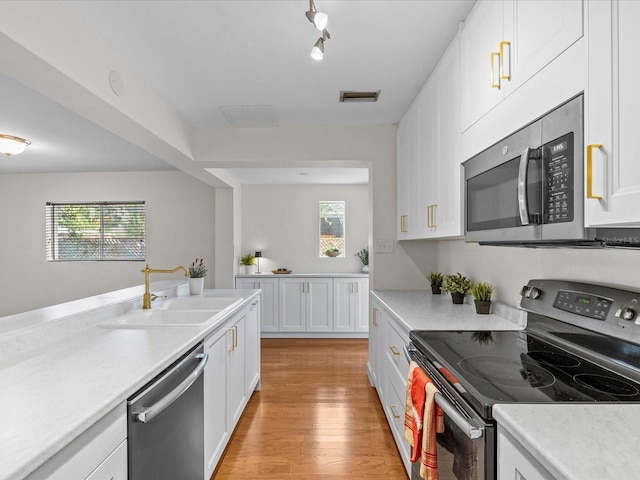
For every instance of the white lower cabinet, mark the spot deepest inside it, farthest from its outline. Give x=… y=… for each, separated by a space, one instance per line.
x=388 y=370
x=98 y=453
x=321 y=305
x=515 y=463
x=231 y=375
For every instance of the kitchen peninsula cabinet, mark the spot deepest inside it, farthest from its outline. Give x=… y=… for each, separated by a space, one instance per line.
x=514 y=462
x=612 y=105
x=269 y=287
x=314 y=305
x=504 y=43
x=232 y=373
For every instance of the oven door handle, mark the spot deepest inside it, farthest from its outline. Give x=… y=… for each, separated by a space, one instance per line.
x=464 y=424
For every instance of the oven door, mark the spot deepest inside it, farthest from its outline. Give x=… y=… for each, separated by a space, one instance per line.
x=466 y=448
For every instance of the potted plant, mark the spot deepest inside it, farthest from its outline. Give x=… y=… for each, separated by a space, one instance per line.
x=436 y=279
x=482 y=293
x=332 y=252
x=247 y=261
x=197 y=272
x=457 y=285
x=363 y=255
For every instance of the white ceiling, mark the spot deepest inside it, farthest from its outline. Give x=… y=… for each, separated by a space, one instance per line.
x=226 y=63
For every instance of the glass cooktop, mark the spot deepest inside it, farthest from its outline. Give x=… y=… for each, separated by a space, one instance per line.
x=508 y=367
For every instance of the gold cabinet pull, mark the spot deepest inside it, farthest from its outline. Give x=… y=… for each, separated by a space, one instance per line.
x=393 y=411
x=233 y=338
x=503 y=75
x=403 y=223
x=431 y=215
x=493 y=72
x=394 y=349
x=590 y=170
x=374 y=317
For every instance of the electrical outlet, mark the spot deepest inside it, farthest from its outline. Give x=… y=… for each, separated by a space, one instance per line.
x=383 y=246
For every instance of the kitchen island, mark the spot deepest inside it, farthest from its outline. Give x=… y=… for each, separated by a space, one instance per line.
x=61 y=371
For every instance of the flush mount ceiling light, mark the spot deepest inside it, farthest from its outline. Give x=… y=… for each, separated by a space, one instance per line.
x=10 y=145
x=318 y=19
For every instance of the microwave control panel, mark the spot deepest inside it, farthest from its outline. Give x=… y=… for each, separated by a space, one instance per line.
x=559 y=194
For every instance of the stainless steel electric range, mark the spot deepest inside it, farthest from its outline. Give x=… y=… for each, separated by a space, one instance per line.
x=581 y=344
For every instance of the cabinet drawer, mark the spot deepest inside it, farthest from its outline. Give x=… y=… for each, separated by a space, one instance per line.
x=114 y=467
x=396 y=339
x=394 y=408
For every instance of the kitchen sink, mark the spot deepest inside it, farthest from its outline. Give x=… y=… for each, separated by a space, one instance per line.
x=198 y=303
x=161 y=318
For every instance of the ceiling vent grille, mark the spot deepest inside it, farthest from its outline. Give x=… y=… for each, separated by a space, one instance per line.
x=353 y=96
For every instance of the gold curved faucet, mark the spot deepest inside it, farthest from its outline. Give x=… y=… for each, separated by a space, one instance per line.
x=146 y=299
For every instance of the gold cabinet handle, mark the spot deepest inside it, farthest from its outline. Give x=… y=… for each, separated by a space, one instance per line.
x=374 y=317
x=503 y=75
x=493 y=73
x=403 y=223
x=393 y=411
x=431 y=215
x=590 y=170
x=394 y=350
x=233 y=338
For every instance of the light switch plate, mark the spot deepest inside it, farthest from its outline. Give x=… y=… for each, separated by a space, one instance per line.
x=383 y=246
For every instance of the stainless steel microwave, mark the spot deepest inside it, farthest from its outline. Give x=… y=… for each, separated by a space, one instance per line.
x=529 y=185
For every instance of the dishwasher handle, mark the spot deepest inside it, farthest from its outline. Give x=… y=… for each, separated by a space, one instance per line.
x=149 y=413
x=468 y=428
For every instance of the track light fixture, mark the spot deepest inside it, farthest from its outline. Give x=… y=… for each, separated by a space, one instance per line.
x=318 y=19
x=317 y=52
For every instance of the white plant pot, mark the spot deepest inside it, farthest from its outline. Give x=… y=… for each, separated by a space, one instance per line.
x=365 y=269
x=196 y=286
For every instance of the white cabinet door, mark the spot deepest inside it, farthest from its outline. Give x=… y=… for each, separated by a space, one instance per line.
x=216 y=431
x=612 y=104
x=429 y=158
x=361 y=305
x=114 y=467
x=374 y=347
x=252 y=346
x=514 y=463
x=236 y=371
x=408 y=173
x=269 y=302
x=319 y=305
x=350 y=304
x=480 y=38
x=293 y=305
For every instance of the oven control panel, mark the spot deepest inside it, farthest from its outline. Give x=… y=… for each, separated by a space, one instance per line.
x=584 y=304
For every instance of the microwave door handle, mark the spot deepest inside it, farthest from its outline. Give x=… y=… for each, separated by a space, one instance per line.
x=522 y=187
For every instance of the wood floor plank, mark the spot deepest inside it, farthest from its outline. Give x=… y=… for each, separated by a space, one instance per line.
x=316 y=418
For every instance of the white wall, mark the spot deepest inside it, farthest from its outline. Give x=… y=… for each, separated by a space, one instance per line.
x=282 y=222
x=180 y=220
x=509 y=268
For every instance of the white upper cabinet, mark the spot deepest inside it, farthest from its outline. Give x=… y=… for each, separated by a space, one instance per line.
x=429 y=156
x=612 y=105
x=505 y=43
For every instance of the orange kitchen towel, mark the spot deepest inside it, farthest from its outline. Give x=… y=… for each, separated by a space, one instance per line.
x=414 y=409
x=433 y=424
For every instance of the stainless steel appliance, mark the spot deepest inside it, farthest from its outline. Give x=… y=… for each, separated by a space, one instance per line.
x=165 y=424
x=581 y=344
x=528 y=188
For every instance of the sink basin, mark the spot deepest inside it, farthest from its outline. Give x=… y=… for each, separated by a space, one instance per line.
x=160 y=318
x=198 y=303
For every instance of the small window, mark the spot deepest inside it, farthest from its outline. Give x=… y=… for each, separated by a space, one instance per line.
x=332 y=239
x=103 y=231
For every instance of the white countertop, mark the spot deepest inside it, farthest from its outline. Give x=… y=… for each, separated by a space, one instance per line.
x=577 y=441
x=53 y=390
x=421 y=310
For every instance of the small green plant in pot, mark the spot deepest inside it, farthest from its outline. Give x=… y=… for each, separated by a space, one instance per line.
x=436 y=279
x=482 y=293
x=363 y=255
x=247 y=261
x=457 y=285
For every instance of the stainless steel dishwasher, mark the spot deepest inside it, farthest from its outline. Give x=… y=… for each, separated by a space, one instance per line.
x=165 y=422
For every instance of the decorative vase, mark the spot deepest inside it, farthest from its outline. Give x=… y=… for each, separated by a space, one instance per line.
x=196 y=286
x=457 y=298
x=482 y=307
x=365 y=269
x=436 y=290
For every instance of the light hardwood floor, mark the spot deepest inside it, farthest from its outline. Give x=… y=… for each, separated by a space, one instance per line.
x=316 y=418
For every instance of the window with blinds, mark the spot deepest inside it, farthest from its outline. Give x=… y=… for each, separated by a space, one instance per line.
x=103 y=231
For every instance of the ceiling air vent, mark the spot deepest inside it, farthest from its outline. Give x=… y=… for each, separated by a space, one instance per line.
x=351 y=96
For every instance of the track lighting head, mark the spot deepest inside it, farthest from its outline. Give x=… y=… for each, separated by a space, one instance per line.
x=317 y=52
x=318 y=19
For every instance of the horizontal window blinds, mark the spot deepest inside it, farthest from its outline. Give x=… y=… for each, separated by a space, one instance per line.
x=100 y=231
